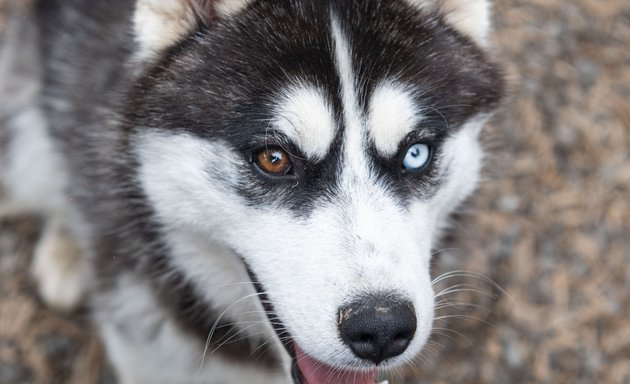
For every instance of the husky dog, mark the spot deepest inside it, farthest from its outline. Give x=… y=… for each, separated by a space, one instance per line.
x=245 y=191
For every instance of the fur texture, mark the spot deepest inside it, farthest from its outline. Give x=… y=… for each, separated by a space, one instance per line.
x=200 y=263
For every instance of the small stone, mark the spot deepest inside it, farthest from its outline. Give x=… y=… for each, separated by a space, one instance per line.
x=509 y=203
x=588 y=72
x=14 y=374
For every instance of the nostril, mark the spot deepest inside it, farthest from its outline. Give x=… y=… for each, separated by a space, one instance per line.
x=378 y=328
x=401 y=341
x=407 y=334
x=365 y=338
x=402 y=337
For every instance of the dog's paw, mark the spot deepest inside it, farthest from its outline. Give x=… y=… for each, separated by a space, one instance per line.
x=58 y=269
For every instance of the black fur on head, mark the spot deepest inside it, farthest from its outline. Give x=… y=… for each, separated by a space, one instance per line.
x=222 y=81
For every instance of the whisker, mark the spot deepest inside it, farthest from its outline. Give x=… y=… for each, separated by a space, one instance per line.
x=216 y=323
x=475 y=275
x=465 y=317
x=457 y=333
x=456 y=290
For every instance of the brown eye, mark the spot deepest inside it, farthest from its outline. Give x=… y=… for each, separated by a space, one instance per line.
x=274 y=161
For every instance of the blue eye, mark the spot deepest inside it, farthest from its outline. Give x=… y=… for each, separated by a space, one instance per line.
x=417 y=157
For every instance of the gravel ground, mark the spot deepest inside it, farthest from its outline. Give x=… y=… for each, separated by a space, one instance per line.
x=546 y=242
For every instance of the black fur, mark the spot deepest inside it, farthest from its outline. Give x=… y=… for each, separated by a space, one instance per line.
x=211 y=85
x=218 y=84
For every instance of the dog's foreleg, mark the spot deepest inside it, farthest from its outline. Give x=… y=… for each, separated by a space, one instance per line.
x=58 y=268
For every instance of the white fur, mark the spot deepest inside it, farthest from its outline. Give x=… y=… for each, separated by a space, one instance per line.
x=160 y=24
x=291 y=267
x=357 y=241
x=58 y=268
x=217 y=273
x=471 y=17
x=463 y=155
x=33 y=172
x=310 y=266
x=228 y=8
x=354 y=134
x=35 y=175
x=165 y=159
x=35 y=178
x=307 y=118
x=393 y=115
x=141 y=339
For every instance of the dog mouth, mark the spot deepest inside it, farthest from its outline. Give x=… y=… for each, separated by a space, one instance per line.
x=305 y=369
x=311 y=371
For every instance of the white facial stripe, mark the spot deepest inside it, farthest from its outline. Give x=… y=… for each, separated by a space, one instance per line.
x=375 y=223
x=305 y=116
x=354 y=137
x=393 y=115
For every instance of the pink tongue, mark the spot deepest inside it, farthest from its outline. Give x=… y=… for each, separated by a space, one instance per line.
x=315 y=372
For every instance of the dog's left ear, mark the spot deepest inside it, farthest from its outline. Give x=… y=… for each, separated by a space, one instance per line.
x=160 y=24
x=471 y=17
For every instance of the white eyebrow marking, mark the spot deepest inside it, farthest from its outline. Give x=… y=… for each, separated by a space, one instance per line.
x=393 y=114
x=354 y=135
x=307 y=118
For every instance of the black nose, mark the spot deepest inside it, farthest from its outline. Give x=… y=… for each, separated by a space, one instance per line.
x=377 y=328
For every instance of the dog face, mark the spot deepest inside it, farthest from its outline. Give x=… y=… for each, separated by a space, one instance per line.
x=322 y=145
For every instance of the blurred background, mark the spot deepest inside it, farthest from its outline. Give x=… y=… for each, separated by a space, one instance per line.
x=544 y=247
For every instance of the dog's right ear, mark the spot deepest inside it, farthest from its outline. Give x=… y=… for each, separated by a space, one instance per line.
x=160 y=24
x=471 y=17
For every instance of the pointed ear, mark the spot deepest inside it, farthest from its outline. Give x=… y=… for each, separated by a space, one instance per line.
x=160 y=24
x=471 y=17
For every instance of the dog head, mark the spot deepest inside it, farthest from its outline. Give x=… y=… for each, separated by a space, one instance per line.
x=322 y=145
